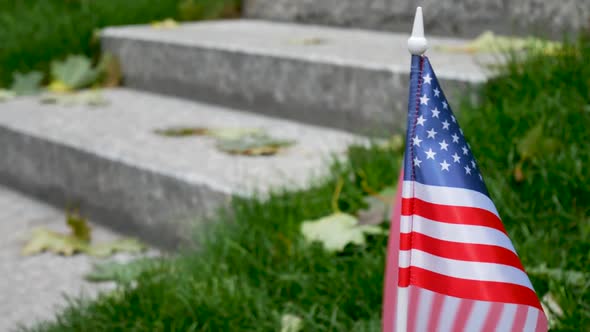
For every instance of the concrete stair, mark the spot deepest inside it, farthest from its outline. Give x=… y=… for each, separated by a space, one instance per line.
x=110 y=163
x=354 y=80
x=456 y=18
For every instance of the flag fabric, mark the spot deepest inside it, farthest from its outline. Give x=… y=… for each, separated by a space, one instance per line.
x=451 y=265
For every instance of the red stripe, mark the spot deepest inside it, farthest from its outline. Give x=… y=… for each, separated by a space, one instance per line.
x=493 y=317
x=451 y=214
x=460 y=251
x=413 y=306
x=463 y=314
x=520 y=318
x=469 y=289
x=436 y=309
x=541 y=322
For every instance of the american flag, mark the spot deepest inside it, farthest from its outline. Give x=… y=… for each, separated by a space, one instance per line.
x=451 y=265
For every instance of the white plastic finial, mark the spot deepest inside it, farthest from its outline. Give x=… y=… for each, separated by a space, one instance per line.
x=417 y=44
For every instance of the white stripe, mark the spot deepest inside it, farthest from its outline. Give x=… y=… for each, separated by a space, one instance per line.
x=507 y=317
x=478 y=315
x=473 y=234
x=424 y=309
x=401 y=316
x=448 y=196
x=531 y=320
x=448 y=314
x=469 y=270
x=404 y=258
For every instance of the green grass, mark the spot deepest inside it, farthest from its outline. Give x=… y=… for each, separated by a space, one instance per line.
x=254 y=266
x=35 y=32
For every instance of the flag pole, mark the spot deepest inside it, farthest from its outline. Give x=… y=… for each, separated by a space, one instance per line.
x=417 y=45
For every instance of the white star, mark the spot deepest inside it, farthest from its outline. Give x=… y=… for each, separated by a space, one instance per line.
x=480 y=177
x=427 y=79
x=436 y=92
x=455 y=138
x=445 y=105
x=417 y=162
x=416 y=140
x=467 y=170
x=446 y=125
x=431 y=133
x=443 y=145
x=421 y=120
x=473 y=164
x=456 y=158
x=444 y=166
x=435 y=112
x=430 y=154
x=453 y=119
x=424 y=100
x=465 y=151
x=461 y=131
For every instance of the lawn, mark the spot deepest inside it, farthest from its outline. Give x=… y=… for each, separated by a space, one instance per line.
x=35 y=32
x=530 y=133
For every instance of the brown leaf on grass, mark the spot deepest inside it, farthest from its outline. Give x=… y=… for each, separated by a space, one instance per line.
x=518 y=174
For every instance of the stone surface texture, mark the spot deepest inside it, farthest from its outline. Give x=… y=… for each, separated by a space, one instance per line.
x=457 y=18
x=109 y=162
x=348 y=79
x=33 y=288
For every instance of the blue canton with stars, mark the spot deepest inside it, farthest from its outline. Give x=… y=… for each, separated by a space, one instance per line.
x=435 y=145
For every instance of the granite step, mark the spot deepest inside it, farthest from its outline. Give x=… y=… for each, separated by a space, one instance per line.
x=457 y=18
x=109 y=162
x=354 y=80
x=34 y=288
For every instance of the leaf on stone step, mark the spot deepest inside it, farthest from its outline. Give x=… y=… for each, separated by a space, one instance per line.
x=221 y=133
x=74 y=73
x=253 y=145
x=128 y=245
x=6 y=95
x=122 y=273
x=111 y=72
x=379 y=207
x=47 y=240
x=291 y=323
x=78 y=225
x=92 y=97
x=26 y=84
x=490 y=42
x=165 y=24
x=337 y=230
x=311 y=41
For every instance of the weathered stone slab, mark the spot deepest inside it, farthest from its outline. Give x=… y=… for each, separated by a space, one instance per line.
x=348 y=79
x=33 y=288
x=109 y=162
x=457 y=18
